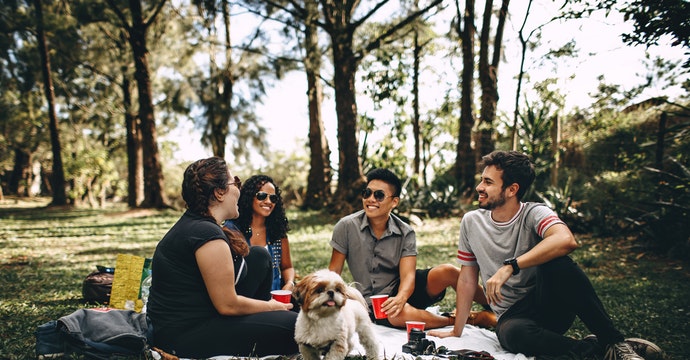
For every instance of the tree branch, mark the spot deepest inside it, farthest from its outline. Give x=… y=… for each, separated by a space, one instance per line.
x=376 y=8
x=376 y=43
x=155 y=13
x=120 y=15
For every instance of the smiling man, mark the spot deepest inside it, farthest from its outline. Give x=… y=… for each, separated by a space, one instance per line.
x=381 y=253
x=521 y=251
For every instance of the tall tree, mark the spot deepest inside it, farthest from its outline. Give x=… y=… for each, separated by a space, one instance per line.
x=58 y=177
x=465 y=167
x=22 y=124
x=135 y=153
x=523 y=53
x=488 y=74
x=319 y=178
x=340 y=24
x=302 y=17
x=217 y=93
x=136 y=29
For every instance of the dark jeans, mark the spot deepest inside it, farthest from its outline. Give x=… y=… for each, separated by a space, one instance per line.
x=255 y=335
x=535 y=325
x=259 y=279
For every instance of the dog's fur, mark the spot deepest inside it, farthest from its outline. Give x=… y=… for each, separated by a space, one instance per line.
x=331 y=312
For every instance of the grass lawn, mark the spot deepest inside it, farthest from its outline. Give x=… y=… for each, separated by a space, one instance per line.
x=46 y=253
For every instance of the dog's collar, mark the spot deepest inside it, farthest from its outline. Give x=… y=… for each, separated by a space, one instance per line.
x=322 y=348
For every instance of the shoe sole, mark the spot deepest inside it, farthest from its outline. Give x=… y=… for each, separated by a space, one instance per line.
x=647 y=349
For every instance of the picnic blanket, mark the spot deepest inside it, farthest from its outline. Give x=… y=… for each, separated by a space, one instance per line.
x=392 y=340
x=473 y=338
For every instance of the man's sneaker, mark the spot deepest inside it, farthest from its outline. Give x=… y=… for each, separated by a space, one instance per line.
x=621 y=351
x=646 y=349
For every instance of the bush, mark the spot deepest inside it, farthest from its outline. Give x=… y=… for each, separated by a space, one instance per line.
x=627 y=194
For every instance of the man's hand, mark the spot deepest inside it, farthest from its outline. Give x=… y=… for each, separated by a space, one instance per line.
x=394 y=305
x=494 y=284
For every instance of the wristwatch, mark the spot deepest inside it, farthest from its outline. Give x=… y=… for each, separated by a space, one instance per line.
x=513 y=262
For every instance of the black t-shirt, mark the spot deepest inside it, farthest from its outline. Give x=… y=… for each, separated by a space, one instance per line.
x=178 y=297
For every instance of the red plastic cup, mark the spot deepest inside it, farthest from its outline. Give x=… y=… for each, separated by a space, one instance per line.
x=376 y=301
x=414 y=325
x=283 y=296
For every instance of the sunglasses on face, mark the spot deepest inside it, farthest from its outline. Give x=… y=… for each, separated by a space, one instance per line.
x=379 y=195
x=237 y=182
x=261 y=196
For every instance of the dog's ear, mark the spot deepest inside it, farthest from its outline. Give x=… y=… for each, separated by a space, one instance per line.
x=301 y=289
x=297 y=295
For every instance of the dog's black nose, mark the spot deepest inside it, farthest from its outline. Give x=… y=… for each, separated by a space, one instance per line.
x=330 y=293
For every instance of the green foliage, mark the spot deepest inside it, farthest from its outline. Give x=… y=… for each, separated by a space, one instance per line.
x=655 y=19
x=439 y=200
x=623 y=190
x=663 y=221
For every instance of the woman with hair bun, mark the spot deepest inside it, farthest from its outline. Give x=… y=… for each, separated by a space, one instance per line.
x=210 y=293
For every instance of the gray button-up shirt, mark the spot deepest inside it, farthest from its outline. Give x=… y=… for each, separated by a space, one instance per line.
x=374 y=264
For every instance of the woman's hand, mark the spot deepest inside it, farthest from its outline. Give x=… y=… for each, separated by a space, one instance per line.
x=277 y=305
x=289 y=285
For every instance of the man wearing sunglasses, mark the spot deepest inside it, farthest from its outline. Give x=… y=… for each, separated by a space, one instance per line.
x=381 y=253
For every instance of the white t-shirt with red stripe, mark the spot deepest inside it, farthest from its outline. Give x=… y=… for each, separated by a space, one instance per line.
x=487 y=243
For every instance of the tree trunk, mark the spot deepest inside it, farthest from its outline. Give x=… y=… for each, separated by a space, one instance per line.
x=465 y=163
x=19 y=173
x=154 y=197
x=555 y=145
x=319 y=178
x=226 y=92
x=415 y=107
x=58 y=183
x=350 y=177
x=488 y=76
x=516 y=112
x=222 y=88
x=340 y=26
x=487 y=81
x=135 y=155
x=660 y=136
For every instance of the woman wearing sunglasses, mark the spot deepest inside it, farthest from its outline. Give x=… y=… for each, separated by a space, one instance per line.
x=263 y=222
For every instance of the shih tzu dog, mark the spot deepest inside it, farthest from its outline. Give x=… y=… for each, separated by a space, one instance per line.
x=331 y=312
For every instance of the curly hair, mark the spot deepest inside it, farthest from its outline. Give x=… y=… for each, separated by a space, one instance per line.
x=201 y=179
x=276 y=224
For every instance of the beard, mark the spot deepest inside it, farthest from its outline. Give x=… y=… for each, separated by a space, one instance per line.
x=491 y=204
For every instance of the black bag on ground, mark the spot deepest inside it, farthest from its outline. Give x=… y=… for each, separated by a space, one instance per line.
x=97 y=285
x=98 y=334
